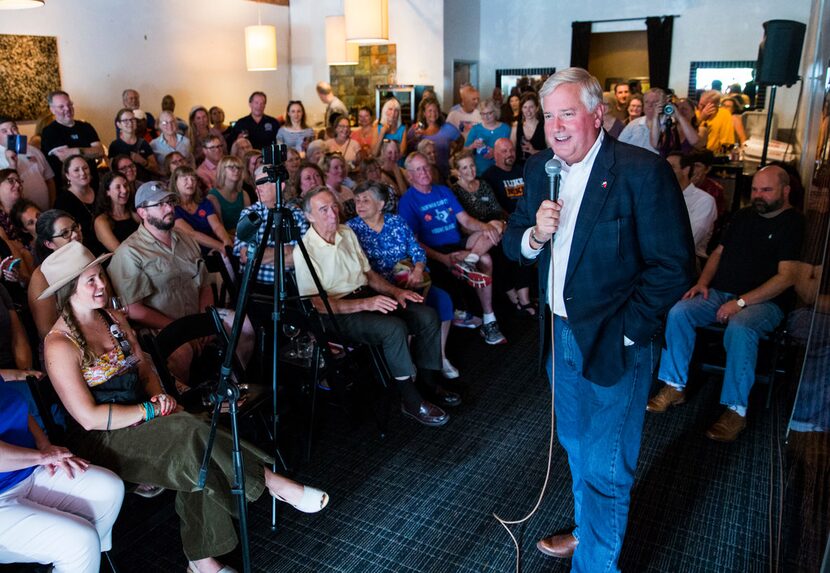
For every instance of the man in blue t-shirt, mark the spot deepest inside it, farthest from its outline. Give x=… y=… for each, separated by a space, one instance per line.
x=437 y=219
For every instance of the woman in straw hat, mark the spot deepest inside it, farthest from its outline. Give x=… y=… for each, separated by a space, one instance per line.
x=122 y=419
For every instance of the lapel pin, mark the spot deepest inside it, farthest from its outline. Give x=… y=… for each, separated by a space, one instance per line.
x=604 y=184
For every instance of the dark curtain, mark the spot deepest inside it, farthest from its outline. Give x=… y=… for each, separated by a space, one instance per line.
x=580 y=44
x=659 y=32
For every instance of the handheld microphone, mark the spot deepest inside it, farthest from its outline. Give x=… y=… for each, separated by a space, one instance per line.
x=554 y=169
x=247 y=227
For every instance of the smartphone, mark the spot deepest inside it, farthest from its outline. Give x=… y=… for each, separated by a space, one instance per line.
x=17 y=143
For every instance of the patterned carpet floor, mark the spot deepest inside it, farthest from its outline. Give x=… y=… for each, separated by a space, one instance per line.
x=421 y=499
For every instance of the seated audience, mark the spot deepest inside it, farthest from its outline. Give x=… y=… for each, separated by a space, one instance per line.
x=123 y=164
x=635 y=108
x=227 y=196
x=293 y=160
x=393 y=174
x=217 y=120
x=700 y=177
x=129 y=143
x=257 y=127
x=369 y=309
x=266 y=199
x=251 y=160
x=343 y=143
x=78 y=199
x=54 y=229
x=395 y=254
x=746 y=286
x=240 y=147
x=201 y=134
x=701 y=206
x=116 y=218
x=366 y=134
x=640 y=131
x=160 y=276
x=370 y=171
x=505 y=177
x=467 y=114
x=390 y=126
x=482 y=137
x=426 y=147
x=120 y=415
x=195 y=214
x=214 y=151
x=55 y=507
x=309 y=177
x=170 y=139
x=295 y=134
x=528 y=134
x=24 y=215
x=430 y=125
x=32 y=166
x=315 y=151
x=173 y=161
x=437 y=219
x=334 y=166
x=66 y=137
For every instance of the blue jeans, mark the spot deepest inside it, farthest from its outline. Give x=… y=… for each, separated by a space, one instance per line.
x=600 y=428
x=740 y=340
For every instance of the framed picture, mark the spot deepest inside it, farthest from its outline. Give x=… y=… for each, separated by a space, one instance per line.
x=29 y=70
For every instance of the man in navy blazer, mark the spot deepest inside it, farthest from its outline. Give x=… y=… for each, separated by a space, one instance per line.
x=623 y=254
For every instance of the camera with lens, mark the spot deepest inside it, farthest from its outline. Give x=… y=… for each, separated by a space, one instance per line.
x=668 y=110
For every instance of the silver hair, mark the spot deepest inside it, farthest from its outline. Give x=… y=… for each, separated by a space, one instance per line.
x=312 y=193
x=590 y=92
x=373 y=188
x=411 y=157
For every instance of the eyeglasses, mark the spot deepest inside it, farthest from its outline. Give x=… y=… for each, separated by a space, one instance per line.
x=488 y=113
x=14 y=180
x=165 y=122
x=233 y=167
x=209 y=147
x=66 y=234
x=131 y=120
x=170 y=202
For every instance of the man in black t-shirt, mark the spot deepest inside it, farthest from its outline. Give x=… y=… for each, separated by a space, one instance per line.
x=505 y=178
x=260 y=129
x=746 y=286
x=66 y=137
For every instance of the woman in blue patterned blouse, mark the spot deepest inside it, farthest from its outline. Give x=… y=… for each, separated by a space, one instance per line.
x=387 y=239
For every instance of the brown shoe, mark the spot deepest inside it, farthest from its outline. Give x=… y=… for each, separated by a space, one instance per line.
x=562 y=545
x=667 y=397
x=727 y=428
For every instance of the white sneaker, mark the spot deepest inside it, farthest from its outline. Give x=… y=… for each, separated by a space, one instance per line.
x=472 y=258
x=449 y=371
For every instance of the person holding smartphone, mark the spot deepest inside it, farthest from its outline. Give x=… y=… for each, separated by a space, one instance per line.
x=35 y=171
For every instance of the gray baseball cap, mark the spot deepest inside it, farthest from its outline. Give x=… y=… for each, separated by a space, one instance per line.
x=151 y=193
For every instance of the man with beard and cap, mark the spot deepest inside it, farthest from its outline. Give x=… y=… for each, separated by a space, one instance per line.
x=160 y=276
x=746 y=286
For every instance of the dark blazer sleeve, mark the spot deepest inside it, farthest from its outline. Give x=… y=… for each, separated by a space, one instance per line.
x=525 y=214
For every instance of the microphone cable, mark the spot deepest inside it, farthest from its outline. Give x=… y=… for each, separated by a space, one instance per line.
x=552 y=168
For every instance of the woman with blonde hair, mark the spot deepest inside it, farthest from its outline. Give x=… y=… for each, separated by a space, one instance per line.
x=390 y=127
x=227 y=197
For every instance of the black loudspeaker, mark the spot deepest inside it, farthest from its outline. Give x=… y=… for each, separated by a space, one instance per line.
x=779 y=54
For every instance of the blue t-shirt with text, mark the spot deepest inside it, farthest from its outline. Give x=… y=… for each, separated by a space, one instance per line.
x=432 y=216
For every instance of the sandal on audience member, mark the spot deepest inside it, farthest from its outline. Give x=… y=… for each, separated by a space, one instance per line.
x=191 y=568
x=313 y=500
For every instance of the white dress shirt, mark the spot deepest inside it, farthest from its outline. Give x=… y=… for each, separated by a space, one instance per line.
x=702 y=214
x=571 y=191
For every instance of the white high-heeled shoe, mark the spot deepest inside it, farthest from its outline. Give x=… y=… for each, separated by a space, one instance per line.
x=313 y=500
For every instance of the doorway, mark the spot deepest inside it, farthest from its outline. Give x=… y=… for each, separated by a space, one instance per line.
x=463 y=72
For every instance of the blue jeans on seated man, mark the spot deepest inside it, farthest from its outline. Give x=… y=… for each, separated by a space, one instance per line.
x=600 y=428
x=743 y=331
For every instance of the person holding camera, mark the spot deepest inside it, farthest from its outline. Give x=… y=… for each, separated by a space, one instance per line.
x=664 y=127
x=639 y=131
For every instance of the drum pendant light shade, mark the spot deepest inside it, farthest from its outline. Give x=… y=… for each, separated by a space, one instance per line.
x=367 y=21
x=21 y=4
x=261 y=48
x=339 y=52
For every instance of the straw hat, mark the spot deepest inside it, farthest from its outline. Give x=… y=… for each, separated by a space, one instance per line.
x=66 y=263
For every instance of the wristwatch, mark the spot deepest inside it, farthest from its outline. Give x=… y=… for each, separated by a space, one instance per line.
x=741 y=303
x=535 y=240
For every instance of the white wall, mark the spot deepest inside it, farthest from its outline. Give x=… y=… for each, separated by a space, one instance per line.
x=535 y=33
x=416 y=27
x=193 y=49
x=461 y=39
